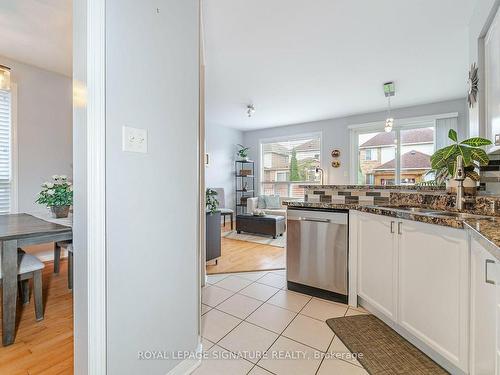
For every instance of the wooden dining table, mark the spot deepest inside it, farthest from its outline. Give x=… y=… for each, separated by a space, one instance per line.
x=17 y=231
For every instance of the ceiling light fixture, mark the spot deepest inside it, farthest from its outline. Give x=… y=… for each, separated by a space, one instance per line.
x=250 y=110
x=4 y=77
x=389 y=90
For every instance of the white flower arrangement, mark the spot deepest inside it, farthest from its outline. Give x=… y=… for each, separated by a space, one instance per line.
x=57 y=193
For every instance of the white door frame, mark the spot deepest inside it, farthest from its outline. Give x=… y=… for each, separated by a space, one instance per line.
x=96 y=186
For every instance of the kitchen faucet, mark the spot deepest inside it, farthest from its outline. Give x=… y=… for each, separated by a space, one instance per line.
x=322 y=172
x=460 y=177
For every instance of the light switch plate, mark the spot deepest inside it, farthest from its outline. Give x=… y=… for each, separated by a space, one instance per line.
x=497 y=139
x=134 y=140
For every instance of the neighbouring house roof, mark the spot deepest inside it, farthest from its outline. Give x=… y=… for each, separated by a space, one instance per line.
x=312 y=145
x=423 y=135
x=410 y=160
x=275 y=148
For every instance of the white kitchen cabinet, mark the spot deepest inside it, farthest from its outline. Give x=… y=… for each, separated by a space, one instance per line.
x=484 y=310
x=377 y=262
x=433 y=298
x=416 y=275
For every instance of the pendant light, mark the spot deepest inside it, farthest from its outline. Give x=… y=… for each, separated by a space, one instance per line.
x=389 y=90
x=4 y=77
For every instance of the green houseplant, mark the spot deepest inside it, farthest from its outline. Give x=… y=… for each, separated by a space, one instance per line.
x=243 y=152
x=443 y=161
x=57 y=195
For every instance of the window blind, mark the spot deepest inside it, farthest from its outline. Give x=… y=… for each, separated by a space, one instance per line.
x=5 y=151
x=443 y=126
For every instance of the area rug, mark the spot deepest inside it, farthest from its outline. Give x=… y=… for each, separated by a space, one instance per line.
x=280 y=241
x=384 y=351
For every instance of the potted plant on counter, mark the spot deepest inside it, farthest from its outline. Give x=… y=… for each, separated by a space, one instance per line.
x=57 y=195
x=444 y=160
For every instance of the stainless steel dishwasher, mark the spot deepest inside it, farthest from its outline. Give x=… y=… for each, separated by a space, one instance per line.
x=317 y=252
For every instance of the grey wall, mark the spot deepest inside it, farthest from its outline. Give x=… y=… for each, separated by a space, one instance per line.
x=80 y=292
x=44 y=129
x=484 y=10
x=335 y=133
x=152 y=199
x=221 y=147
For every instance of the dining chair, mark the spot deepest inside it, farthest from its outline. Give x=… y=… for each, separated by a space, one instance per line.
x=30 y=267
x=68 y=246
x=222 y=206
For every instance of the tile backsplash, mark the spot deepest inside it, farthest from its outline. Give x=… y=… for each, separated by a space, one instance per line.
x=399 y=196
x=490 y=176
x=366 y=197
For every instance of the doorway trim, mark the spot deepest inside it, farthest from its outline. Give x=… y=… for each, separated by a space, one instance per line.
x=96 y=185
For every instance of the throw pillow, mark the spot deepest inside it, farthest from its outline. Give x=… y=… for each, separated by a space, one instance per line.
x=272 y=201
x=261 y=203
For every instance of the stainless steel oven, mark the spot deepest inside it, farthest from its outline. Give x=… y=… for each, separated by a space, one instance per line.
x=317 y=252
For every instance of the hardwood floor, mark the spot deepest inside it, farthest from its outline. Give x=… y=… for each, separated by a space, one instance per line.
x=44 y=347
x=240 y=256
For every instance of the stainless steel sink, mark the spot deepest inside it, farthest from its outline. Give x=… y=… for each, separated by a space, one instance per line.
x=410 y=209
x=459 y=215
x=429 y=211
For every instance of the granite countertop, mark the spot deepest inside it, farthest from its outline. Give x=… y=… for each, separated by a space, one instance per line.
x=486 y=228
x=422 y=188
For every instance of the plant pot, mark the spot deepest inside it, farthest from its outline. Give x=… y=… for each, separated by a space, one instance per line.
x=470 y=186
x=60 y=211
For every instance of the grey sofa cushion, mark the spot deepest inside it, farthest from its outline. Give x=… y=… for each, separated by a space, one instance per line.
x=262 y=202
x=272 y=201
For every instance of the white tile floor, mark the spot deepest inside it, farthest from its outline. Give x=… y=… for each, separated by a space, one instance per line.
x=251 y=324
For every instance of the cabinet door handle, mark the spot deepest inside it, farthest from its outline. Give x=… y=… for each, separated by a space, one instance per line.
x=392 y=226
x=488 y=261
x=400 y=227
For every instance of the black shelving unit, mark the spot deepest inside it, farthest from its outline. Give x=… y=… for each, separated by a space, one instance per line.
x=243 y=181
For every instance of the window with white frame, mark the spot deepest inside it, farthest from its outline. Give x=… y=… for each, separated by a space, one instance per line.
x=399 y=157
x=5 y=151
x=370 y=154
x=288 y=163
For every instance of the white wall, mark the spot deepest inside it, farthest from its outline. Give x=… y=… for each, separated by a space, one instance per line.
x=336 y=133
x=44 y=129
x=484 y=10
x=221 y=147
x=152 y=202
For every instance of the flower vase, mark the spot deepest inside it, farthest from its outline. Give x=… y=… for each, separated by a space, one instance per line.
x=60 y=211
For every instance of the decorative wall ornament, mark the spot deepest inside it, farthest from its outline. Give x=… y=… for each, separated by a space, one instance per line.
x=473 y=83
x=335 y=154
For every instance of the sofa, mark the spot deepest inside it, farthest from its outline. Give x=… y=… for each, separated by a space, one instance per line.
x=253 y=204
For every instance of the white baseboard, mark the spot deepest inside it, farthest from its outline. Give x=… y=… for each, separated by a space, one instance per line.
x=187 y=366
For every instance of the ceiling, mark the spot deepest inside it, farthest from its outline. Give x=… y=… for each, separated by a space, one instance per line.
x=302 y=60
x=37 y=32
